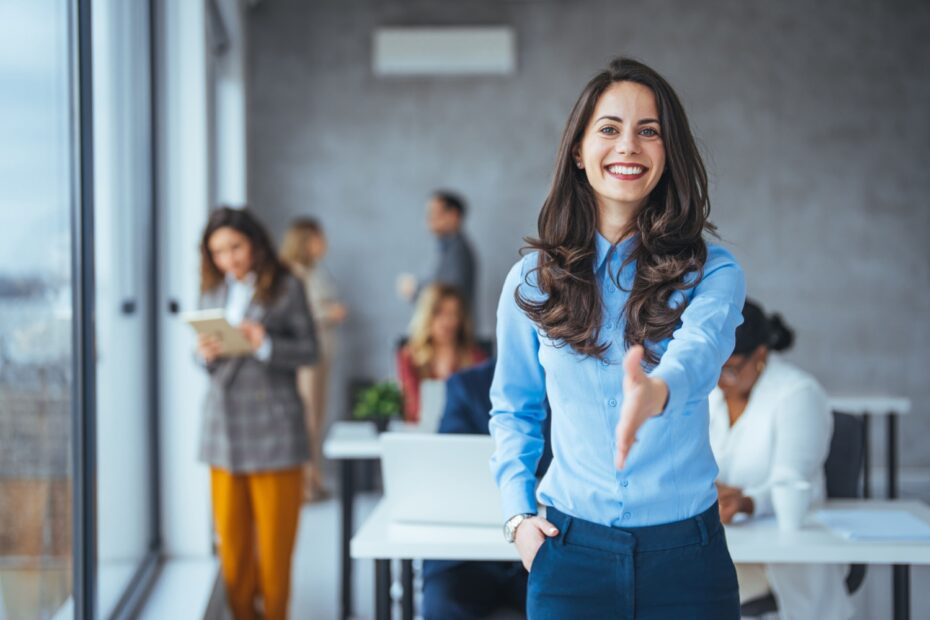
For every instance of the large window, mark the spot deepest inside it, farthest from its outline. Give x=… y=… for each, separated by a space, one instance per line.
x=36 y=194
x=78 y=503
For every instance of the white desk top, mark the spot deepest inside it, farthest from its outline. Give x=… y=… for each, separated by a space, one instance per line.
x=350 y=439
x=752 y=541
x=873 y=404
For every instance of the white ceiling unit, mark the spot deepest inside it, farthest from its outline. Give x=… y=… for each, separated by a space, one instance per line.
x=439 y=51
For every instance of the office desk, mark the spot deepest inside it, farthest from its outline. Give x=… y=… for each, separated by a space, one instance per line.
x=350 y=442
x=868 y=406
x=759 y=541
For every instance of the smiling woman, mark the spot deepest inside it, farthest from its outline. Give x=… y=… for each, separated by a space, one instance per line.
x=621 y=282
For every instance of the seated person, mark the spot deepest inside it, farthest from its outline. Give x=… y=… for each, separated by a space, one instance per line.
x=455 y=590
x=439 y=344
x=770 y=421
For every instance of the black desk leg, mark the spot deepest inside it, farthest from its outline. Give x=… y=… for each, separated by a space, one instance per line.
x=892 y=472
x=866 y=457
x=347 y=499
x=902 y=591
x=382 y=590
x=406 y=580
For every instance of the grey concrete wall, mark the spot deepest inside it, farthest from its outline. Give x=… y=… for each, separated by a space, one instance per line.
x=812 y=116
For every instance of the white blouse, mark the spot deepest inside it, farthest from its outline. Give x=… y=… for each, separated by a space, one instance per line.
x=783 y=434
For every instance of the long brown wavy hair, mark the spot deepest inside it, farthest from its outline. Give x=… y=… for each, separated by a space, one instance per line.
x=269 y=272
x=668 y=229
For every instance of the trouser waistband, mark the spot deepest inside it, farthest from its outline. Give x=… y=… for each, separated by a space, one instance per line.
x=695 y=530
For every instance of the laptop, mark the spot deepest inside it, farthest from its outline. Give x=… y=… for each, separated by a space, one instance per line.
x=443 y=479
x=432 y=403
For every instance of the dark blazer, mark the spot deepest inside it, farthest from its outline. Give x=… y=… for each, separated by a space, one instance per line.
x=468 y=407
x=468 y=411
x=253 y=417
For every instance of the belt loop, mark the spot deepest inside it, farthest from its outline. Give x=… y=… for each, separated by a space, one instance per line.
x=563 y=531
x=702 y=528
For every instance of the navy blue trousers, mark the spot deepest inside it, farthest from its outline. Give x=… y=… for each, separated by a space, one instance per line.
x=472 y=590
x=661 y=572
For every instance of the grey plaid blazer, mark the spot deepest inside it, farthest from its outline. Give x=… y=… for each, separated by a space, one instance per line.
x=253 y=417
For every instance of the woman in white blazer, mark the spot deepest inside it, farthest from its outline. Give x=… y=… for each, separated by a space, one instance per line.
x=771 y=421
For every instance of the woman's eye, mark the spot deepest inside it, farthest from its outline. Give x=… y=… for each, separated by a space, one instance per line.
x=649 y=132
x=608 y=130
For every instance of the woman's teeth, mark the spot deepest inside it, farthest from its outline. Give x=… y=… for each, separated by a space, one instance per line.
x=627 y=170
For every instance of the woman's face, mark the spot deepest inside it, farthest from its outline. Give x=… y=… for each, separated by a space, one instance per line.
x=622 y=150
x=446 y=322
x=231 y=252
x=740 y=372
x=317 y=246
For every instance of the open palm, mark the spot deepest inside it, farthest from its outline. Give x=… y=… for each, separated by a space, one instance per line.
x=643 y=398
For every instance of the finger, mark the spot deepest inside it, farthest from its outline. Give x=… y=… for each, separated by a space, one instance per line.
x=626 y=437
x=545 y=526
x=633 y=364
x=726 y=493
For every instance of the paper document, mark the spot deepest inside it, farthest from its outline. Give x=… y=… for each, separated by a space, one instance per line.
x=875 y=524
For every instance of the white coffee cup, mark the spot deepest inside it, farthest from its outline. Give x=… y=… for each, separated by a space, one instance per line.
x=791 y=499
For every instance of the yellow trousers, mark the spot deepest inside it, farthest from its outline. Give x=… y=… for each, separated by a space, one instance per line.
x=256 y=519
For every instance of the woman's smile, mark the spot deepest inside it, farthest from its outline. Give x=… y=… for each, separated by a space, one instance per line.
x=626 y=172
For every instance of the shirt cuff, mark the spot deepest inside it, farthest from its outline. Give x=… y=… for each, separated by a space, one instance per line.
x=519 y=497
x=263 y=352
x=677 y=385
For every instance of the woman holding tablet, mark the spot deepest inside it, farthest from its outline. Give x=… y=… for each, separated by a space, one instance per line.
x=254 y=439
x=622 y=316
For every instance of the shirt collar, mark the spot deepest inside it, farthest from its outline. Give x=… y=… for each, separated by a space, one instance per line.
x=248 y=280
x=446 y=240
x=603 y=247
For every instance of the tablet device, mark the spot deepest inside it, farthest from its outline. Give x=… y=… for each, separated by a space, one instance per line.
x=214 y=323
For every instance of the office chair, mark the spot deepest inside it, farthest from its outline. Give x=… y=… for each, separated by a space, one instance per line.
x=843 y=471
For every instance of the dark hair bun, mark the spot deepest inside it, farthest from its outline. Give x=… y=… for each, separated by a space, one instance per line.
x=781 y=337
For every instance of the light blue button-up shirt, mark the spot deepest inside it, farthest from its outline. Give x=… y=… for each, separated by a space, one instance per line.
x=670 y=471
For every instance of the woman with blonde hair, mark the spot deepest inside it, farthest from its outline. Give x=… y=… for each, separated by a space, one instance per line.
x=440 y=343
x=302 y=251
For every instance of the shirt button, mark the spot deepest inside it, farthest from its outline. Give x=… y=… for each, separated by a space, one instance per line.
x=612 y=402
x=605 y=362
x=626 y=516
x=625 y=483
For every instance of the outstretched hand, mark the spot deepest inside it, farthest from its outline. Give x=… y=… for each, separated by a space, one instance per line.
x=643 y=398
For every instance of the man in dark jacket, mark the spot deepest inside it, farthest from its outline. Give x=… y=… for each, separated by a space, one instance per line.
x=456 y=590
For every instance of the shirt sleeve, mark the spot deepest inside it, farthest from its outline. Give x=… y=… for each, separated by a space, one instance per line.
x=706 y=335
x=803 y=429
x=518 y=396
x=263 y=352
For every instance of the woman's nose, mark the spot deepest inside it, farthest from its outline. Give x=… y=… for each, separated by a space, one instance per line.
x=627 y=143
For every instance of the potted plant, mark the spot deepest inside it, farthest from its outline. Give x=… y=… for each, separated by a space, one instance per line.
x=379 y=403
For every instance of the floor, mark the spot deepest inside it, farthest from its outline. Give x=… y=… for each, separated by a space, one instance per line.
x=315 y=585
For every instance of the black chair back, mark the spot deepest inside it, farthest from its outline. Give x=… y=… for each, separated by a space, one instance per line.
x=843 y=468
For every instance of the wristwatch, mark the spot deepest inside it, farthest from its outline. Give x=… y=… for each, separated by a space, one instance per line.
x=511 y=525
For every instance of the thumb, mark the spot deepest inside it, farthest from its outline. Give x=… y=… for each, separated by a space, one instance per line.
x=633 y=363
x=546 y=527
